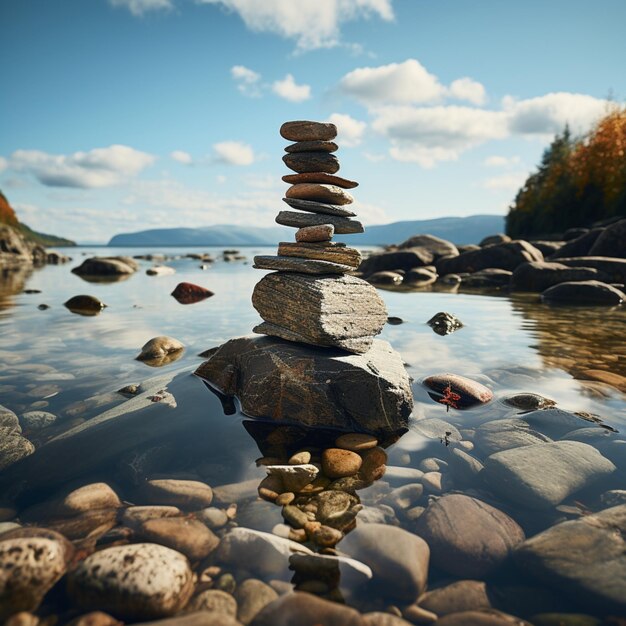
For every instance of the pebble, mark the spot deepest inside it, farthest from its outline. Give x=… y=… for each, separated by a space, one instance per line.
x=252 y=596
x=356 y=442
x=373 y=466
x=432 y=464
x=470 y=391
x=271 y=487
x=13 y=447
x=159 y=347
x=320 y=177
x=188 y=536
x=463 y=595
x=467 y=537
x=294 y=477
x=298 y=219
x=139 y=581
x=285 y=498
x=214 y=601
x=528 y=401
x=326 y=536
x=36 y=420
x=189 y=293
x=84 y=305
x=29 y=567
x=313 y=234
x=213 y=517
x=187 y=494
x=160 y=270
x=337 y=463
x=432 y=482
x=403 y=498
x=319 y=193
x=134 y=516
x=505 y=434
x=312 y=162
x=294 y=516
x=304 y=130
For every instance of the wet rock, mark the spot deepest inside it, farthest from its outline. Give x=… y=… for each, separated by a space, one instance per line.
x=610 y=241
x=293 y=477
x=398 y=559
x=463 y=595
x=342 y=312
x=187 y=536
x=29 y=567
x=187 y=494
x=252 y=596
x=396 y=260
x=385 y=279
x=356 y=442
x=419 y=277
x=332 y=505
x=91 y=524
x=542 y=475
x=484 y=617
x=506 y=256
x=585 y=558
x=213 y=517
x=106 y=266
x=613 y=497
x=584 y=293
x=304 y=130
x=261 y=553
x=36 y=420
x=392 y=320
x=13 y=447
x=405 y=497
x=528 y=401
x=436 y=246
x=214 y=601
x=555 y=422
x=467 y=537
x=311 y=162
x=470 y=391
x=608 y=378
x=188 y=293
x=335 y=252
x=306 y=609
x=135 y=516
x=314 y=234
x=489 y=278
x=342 y=225
x=444 y=323
x=464 y=468
x=578 y=246
x=547 y=248
x=539 y=276
x=9 y=420
x=269 y=376
x=316 y=192
x=320 y=177
x=159 y=348
x=160 y=270
x=138 y=581
x=299 y=265
x=85 y=305
x=337 y=463
x=614 y=267
x=505 y=434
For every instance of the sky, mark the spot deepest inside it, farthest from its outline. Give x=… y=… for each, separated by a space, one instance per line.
x=123 y=115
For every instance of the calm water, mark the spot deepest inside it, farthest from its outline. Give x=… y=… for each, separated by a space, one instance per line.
x=73 y=365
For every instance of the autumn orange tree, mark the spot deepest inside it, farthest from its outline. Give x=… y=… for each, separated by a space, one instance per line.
x=578 y=182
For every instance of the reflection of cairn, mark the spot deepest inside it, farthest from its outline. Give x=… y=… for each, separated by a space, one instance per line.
x=311 y=298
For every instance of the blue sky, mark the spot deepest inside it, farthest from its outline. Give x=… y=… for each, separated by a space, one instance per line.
x=121 y=115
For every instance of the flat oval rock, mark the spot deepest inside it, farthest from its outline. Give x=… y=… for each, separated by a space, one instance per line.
x=305 y=130
x=470 y=391
x=315 y=234
x=188 y=293
x=312 y=162
x=296 y=264
x=343 y=225
x=84 y=305
x=318 y=207
x=312 y=146
x=319 y=193
x=320 y=177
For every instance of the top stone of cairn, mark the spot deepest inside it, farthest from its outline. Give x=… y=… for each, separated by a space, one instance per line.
x=303 y=130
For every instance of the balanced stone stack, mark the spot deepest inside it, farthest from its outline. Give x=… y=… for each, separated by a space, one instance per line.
x=311 y=298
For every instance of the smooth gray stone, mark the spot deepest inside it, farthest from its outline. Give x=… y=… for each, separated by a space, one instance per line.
x=343 y=226
x=542 y=475
x=584 y=293
x=505 y=434
x=295 y=264
x=318 y=207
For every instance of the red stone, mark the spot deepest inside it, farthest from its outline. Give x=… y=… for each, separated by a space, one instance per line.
x=188 y=293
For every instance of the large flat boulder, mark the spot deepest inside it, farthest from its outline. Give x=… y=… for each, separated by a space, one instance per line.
x=397 y=260
x=539 y=276
x=284 y=381
x=504 y=256
x=614 y=267
x=332 y=311
x=611 y=241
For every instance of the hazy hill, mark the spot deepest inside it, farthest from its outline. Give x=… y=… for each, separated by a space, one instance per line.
x=8 y=216
x=460 y=230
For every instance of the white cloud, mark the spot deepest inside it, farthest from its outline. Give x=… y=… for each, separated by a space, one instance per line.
x=548 y=114
x=139 y=7
x=349 y=130
x=469 y=90
x=234 y=153
x=506 y=182
x=501 y=161
x=290 y=90
x=311 y=23
x=396 y=83
x=374 y=158
x=182 y=157
x=100 y=167
x=247 y=80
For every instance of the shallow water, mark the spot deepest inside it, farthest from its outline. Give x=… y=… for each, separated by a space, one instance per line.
x=73 y=365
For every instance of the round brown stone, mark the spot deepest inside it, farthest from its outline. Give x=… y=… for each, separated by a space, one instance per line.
x=356 y=442
x=374 y=463
x=337 y=463
x=319 y=193
x=305 y=130
x=320 y=177
x=312 y=162
x=313 y=234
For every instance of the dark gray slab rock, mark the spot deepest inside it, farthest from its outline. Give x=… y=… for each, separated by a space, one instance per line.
x=585 y=558
x=325 y=251
x=312 y=146
x=343 y=225
x=399 y=260
x=489 y=278
x=506 y=256
x=614 y=267
x=539 y=276
x=303 y=266
x=467 y=537
x=320 y=177
x=305 y=130
x=579 y=246
x=611 y=241
x=106 y=266
x=284 y=381
x=312 y=206
x=343 y=311
x=312 y=162
x=542 y=475
x=584 y=293
x=436 y=246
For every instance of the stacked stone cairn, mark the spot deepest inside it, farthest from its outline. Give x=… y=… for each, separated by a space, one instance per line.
x=311 y=297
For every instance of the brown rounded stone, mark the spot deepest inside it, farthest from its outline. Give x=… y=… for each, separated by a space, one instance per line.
x=305 y=130
x=319 y=193
x=337 y=462
x=312 y=162
x=356 y=442
x=326 y=536
x=374 y=463
x=320 y=177
x=312 y=234
x=312 y=146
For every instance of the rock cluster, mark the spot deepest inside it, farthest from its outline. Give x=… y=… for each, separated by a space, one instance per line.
x=310 y=298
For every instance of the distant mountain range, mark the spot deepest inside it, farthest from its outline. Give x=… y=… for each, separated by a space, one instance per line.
x=459 y=230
